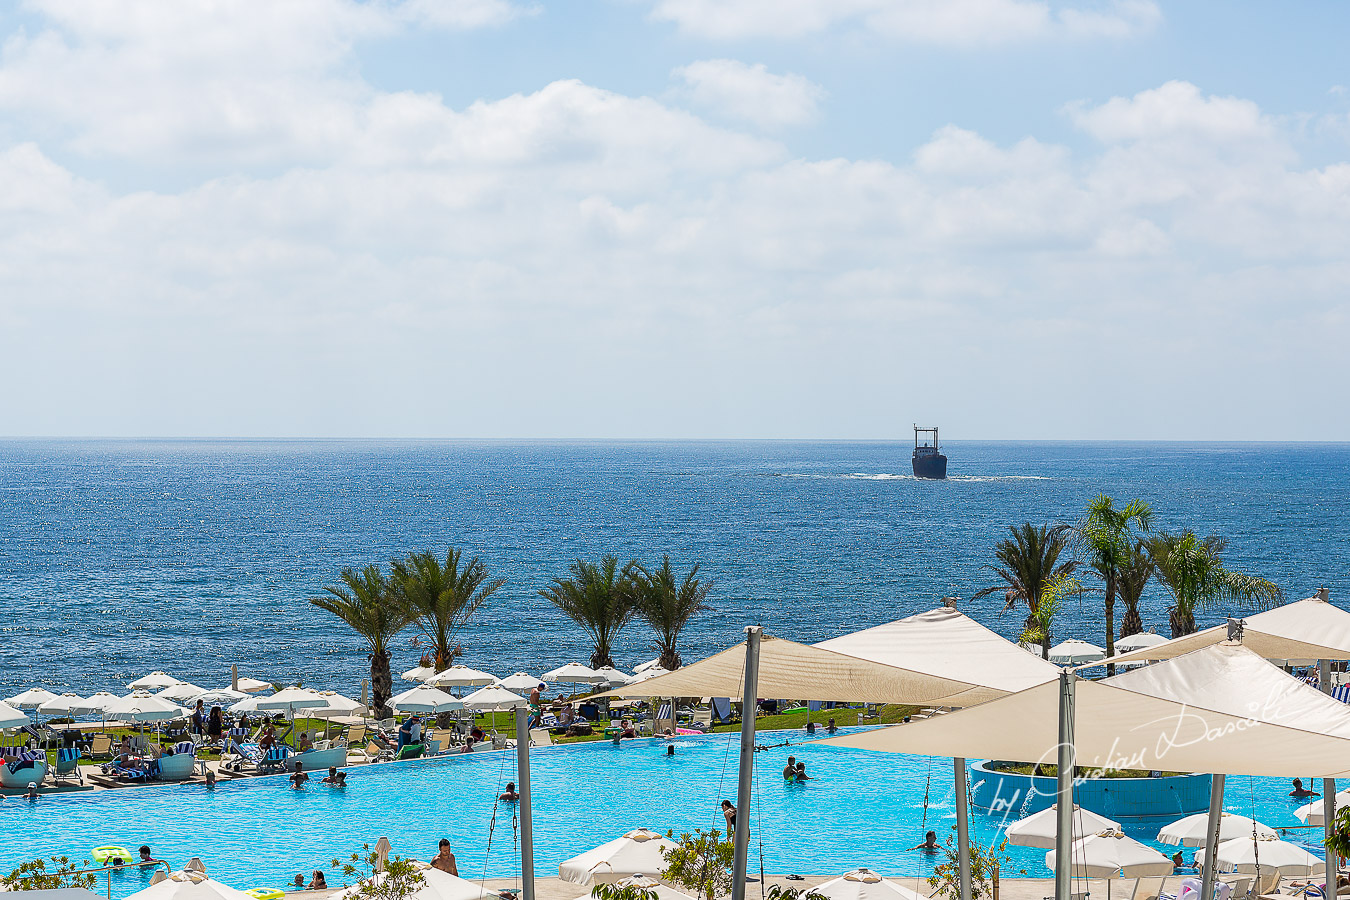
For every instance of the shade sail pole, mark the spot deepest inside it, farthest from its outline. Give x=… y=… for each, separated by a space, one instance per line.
x=1328 y=795
x=962 y=828
x=1210 y=871
x=747 y=763
x=526 y=807
x=1064 y=788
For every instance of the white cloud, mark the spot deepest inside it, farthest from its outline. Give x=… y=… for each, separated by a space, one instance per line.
x=1176 y=109
x=737 y=90
x=945 y=22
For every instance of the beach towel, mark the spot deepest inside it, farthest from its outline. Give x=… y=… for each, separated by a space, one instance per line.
x=721 y=708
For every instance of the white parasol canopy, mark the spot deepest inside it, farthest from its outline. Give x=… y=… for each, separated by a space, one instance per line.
x=221 y=697
x=292 y=699
x=95 y=704
x=520 y=681
x=864 y=884
x=189 y=885
x=1074 y=652
x=1193 y=831
x=574 y=673
x=494 y=698
x=1314 y=813
x=648 y=674
x=1113 y=855
x=62 y=704
x=649 y=664
x=182 y=692
x=639 y=852
x=340 y=705
x=418 y=673
x=1270 y=853
x=1139 y=641
x=31 y=698
x=423 y=699
x=1038 y=829
x=153 y=682
x=437 y=885
x=253 y=685
x=11 y=717
x=613 y=675
x=460 y=676
x=648 y=883
x=142 y=706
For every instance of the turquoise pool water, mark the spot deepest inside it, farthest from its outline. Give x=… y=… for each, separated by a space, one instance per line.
x=862 y=809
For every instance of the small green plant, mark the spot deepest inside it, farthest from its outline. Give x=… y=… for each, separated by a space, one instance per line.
x=778 y=892
x=700 y=863
x=623 y=892
x=985 y=866
x=35 y=876
x=1339 y=839
x=401 y=878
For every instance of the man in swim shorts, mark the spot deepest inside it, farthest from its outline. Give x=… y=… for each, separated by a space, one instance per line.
x=790 y=770
x=444 y=859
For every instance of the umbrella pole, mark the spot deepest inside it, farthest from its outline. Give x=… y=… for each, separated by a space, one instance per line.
x=526 y=807
x=1064 y=791
x=746 y=770
x=1333 y=867
x=1210 y=871
x=963 y=829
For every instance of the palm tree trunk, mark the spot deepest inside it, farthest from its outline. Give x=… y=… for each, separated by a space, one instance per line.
x=1183 y=623
x=381 y=683
x=1110 y=609
x=1131 y=622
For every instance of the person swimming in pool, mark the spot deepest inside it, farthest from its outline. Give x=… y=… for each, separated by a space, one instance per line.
x=790 y=770
x=31 y=794
x=929 y=845
x=801 y=772
x=510 y=795
x=1300 y=792
x=444 y=859
x=298 y=777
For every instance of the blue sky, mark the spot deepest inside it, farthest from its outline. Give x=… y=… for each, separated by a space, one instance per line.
x=674 y=218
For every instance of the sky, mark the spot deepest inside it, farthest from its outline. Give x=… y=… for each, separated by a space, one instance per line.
x=1016 y=219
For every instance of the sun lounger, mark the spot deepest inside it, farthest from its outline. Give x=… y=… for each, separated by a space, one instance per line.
x=68 y=764
x=721 y=710
x=274 y=760
x=101 y=746
x=540 y=737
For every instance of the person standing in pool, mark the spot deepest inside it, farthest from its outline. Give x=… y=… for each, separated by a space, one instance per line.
x=831 y=728
x=790 y=770
x=510 y=795
x=31 y=794
x=146 y=859
x=444 y=859
x=298 y=778
x=729 y=813
x=332 y=777
x=1300 y=792
x=929 y=845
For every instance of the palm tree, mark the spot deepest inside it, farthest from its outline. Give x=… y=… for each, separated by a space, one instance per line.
x=367 y=602
x=599 y=599
x=1134 y=576
x=668 y=603
x=1192 y=570
x=443 y=597
x=1106 y=535
x=1029 y=562
x=1041 y=621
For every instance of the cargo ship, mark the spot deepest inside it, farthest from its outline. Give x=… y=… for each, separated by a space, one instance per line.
x=929 y=461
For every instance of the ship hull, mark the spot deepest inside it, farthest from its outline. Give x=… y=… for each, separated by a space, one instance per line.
x=930 y=465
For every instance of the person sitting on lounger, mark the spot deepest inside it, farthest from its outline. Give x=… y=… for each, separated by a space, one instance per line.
x=332 y=777
x=298 y=778
x=268 y=738
x=929 y=845
x=444 y=859
x=1300 y=791
x=304 y=744
x=476 y=733
x=510 y=795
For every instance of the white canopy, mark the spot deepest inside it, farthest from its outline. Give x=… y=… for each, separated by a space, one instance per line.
x=1074 y=652
x=423 y=699
x=1193 y=831
x=493 y=698
x=574 y=673
x=1270 y=853
x=613 y=675
x=1113 y=855
x=142 y=706
x=639 y=852
x=253 y=685
x=649 y=664
x=339 y=705
x=1221 y=709
x=803 y=672
x=31 y=698
x=647 y=675
x=187 y=885
x=1139 y=641
x=95 y=704
x=11 y=717
x=418 y=673
x=1313 y=813
x=1308 y=629
x=61 y=704
x=182 y=692
x=220 y=697
x=153 y=682
x=649 y=883
x=437 y=885
x=1038 y=829
x=864 y=884
x=292 y=699
x=520 y=681
x=949 y=644
x=460 y=676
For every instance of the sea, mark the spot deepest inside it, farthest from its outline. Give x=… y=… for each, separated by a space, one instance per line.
x=118 y=557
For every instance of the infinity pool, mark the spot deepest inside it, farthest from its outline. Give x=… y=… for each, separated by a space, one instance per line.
x=862 y=809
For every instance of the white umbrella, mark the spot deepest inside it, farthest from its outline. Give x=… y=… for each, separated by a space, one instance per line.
x=339 y=705
x=1193 y=831
x=436 y=885
x=574 y=673
x=11 y=717
x=221 y=697
x=1139 y=642
x=494 y=698
x=662 y=891
x=61 y=704
x=142 y=706
x=292 y=699
x=253 y=685
x=1074 y=652
x=1113 y=855
x=189 y=885
x=31 y=698
x=649 y=664
x=520 y=682
x=418 y=673
x=95 y=704
x=153 y=682
x=648 y=674
x=1038 y=829
x=460 y=676
x=1312 y=813
x=864 y=884
x=1272 y=854
x=247 y=705
x=613 y=675
x=638 y=852
x=423 y=699
x=182 y=692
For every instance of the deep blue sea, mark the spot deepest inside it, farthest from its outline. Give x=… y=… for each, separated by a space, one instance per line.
x=118 y=557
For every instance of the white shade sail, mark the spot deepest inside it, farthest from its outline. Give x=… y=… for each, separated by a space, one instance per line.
x=460 y=676
x=520 y=681
x=61 y=704
x=493 y=698
x=95 y=704
x=423 y=699
x=949 y=644
x=437 y=885
x=292 y=699
x=1270 y=853
x=1221 y=709
x=155 y=681
x=864 y=884
x=1113 y=855
x=182 y=692
x=1193 y=831
x=639 y=852
x=31 y=698
x=803 y=672
x=1038 y=829
x=574 y=673
x=1313 y=813
x=11 y=717
x=1074 y=652
x=189 y=886
x=1308 y=629
x=418 y=673
x=142 y=706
